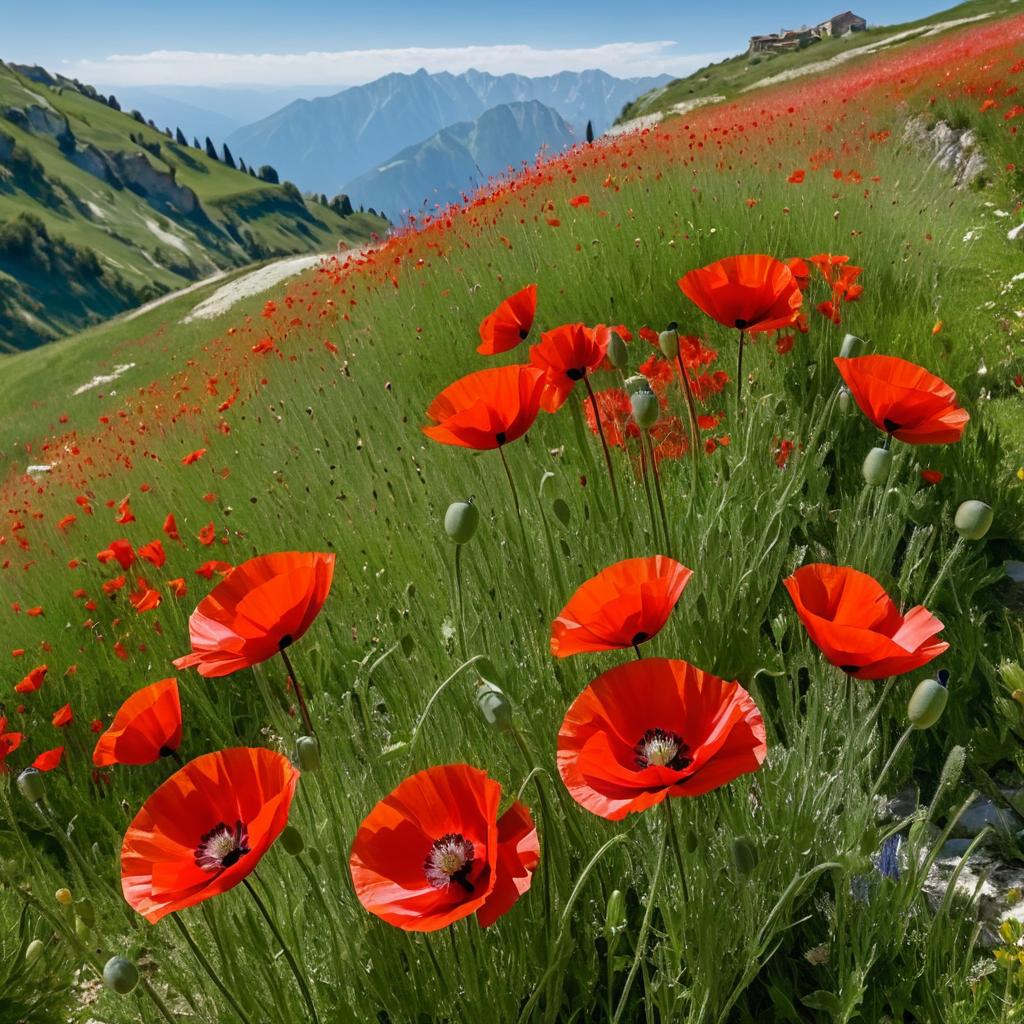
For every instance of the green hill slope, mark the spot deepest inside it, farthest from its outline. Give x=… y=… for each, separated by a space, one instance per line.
x=100 y=211
x=730 y=78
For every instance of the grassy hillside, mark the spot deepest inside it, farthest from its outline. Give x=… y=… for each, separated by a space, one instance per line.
x=100 y=212
x=730 y=78
x=296 y=424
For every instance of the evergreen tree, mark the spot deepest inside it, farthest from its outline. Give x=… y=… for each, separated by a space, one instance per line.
x=180 y=138
x=195 y=143
x=229 y=160
x=211 y=149
x=590 y=132
x=242 y=167
x=267 y=173
x=342 y=205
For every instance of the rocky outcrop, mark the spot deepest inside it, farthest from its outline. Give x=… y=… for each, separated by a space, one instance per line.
x=158 y=187
x=96 y=162
x=955 y=149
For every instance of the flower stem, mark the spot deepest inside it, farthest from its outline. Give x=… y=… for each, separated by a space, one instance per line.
x=953 y=555
x=460 y=606
x=303 y=710
x=900 y=744
x=739 y=372
x=511 y=483
x=300 y=978
x=208 y=967
x=691 y=408
x=657 y=491
x=645 y=927
x=604 y=442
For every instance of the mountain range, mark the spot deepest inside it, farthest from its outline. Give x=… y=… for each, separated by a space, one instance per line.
x=322 y=143
x=460 y=158
x=101 y=211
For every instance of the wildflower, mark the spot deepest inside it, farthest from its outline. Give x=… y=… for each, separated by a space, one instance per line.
x=903 y=399
x=651 y=729
x=263 y=606
x=856 y=625
x=435 y=851
x=205 y=829
x=487 y=409
x=510 y=323
x=623 y=606
x=146 y=727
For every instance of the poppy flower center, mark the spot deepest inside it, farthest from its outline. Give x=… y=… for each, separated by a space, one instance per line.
x=574 y=374
x=500 y=437
x=450 y=860
x=222 y=846
x=742 y=324
x=891 y=425
x=523 y=334
x=663 y=748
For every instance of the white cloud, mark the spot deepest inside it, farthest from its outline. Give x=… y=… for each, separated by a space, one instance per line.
x=351 y=67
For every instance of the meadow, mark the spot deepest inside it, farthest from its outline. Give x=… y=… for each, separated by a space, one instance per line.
x=778 y=894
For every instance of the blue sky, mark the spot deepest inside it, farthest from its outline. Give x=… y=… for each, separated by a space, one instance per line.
x=205 y=42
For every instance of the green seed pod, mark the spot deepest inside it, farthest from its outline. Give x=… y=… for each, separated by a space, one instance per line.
x=645 y=409
x=744 y=855
x=928 y=701
x=292 y=841
x=307 y=752
x=86 y=912
x=120 y=975
x=876 y=466
x=973 y=520
x=852 y=347
x=64 y=897
x=615 y=913
x=845 y=400
x=33 y=951
x=668 y=342
x=494 y=706
x=618 y=354
x=692 y=841
x=461 y=521
x=638 y=382
x=82 y=930
x=31 y=784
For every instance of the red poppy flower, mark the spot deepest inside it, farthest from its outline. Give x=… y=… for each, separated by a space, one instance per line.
x=193 y=457
x=487 y=409
x=144 y=598
x=33 y=681
x=205 y=829
x=435 y=850
x=656 y=728
x=931 y=476
x=9 y=742
x=147 y=726
x=622 y=606
x=261 y=607
x=509 y=324
x=566 y=355
x=154 y=553
x=48 y=759
x=857 y=627
x=904 y=399
x=63 y=716
x=750 y=293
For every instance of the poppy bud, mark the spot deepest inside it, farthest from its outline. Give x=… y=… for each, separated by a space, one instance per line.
x=307 y=752
x=876 y=466
x=852 y=347
x=973 y=520
x=33 y=951
x=692 y=841
x=120 y=975
x=292 y=841
x=844 y=399
x=668 y=342
x=30 y=782
x=494 y=706
x=86 y=912
x=461 y=520
x=645 y=409
x=928 y=701
x=618 y=354
x=63 y=897
x=744 y=855
x=638 y=382
x=615 y=913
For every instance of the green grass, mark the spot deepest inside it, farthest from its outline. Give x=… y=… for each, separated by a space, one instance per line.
x=728 y=79
x=242 y=219
x=324 y=453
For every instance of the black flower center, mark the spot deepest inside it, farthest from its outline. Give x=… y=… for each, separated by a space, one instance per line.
x=222 y=846
x=450 y=860
x=891 y=425
x=663 y=748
